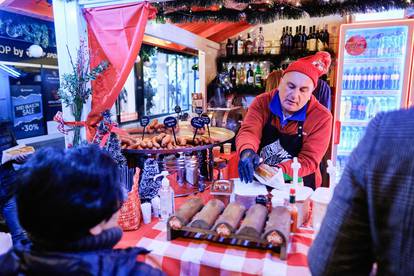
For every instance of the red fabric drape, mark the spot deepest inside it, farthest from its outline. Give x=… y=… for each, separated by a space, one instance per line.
x=115 y=34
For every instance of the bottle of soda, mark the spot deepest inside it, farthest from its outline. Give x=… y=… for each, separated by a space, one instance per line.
x=348 y=108
x=364 y=78
x=345 y=79
x=370 y=108
x=354 y=108
x=362 y=107
x=229 y=48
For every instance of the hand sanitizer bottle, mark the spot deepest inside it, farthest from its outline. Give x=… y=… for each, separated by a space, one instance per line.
x=166 y=197
x=295 y=167
x=332 y=175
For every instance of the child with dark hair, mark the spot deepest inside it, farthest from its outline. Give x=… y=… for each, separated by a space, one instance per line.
x=68 y=202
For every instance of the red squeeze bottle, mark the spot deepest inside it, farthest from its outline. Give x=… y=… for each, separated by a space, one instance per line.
x=293 y=211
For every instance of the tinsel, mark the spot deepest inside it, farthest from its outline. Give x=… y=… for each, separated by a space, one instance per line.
x=113 y=145
x=184 y=11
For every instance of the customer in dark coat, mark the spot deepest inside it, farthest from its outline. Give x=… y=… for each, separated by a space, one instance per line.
x=68 y=202
x=371 y=216
x=8 y=208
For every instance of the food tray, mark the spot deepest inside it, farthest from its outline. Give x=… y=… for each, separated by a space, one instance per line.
x=222 y=135
x=189 y=232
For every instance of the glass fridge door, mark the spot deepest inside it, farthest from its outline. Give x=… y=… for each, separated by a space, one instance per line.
x=373 y=70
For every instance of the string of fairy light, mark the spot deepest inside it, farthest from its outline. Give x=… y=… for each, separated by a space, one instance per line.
x=255 y=12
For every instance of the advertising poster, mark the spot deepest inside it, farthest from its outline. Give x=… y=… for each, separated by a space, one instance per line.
x=50 y=86
x=27 y=109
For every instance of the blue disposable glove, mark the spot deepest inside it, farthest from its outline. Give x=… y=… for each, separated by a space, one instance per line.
x=249 y=160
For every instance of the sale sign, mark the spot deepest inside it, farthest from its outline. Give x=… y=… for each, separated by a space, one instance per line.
x=28 y=120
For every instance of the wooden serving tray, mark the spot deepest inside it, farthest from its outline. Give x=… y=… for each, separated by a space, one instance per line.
x=234 y=239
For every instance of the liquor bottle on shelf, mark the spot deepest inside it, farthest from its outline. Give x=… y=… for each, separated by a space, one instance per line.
x=241 y=74
x=296 y=38
x=289 y=43
x=250 y=75
x=326 y=36
x=261 y=42
x=248 y=45
x=312 y=40
x=239 y=46
x=258 y=75
x=319 y=40
x=229 y=48
x=282 y=42
x=233 y=76
x=254 y=43
x=303 y=38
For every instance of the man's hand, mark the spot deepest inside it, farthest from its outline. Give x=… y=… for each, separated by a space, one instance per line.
x=20 y=158
x=249 y=160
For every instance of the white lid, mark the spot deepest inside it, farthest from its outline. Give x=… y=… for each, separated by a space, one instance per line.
x=322 y=195
x=278 y=198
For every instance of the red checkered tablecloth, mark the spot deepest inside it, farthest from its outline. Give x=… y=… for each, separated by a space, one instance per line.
x=193 y=257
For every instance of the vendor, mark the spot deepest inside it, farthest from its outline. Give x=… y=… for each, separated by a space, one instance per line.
x=288 y=122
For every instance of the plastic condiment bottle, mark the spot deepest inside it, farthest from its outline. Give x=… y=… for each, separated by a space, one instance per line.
x=295 y=167
x=331 y=170
x=293 y=210
x=166 y=197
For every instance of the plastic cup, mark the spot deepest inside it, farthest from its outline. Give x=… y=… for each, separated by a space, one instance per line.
x=227 y=148
x=216 y=150
x=146 y=212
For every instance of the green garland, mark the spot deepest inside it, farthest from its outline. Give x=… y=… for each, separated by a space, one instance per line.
x=266 y=13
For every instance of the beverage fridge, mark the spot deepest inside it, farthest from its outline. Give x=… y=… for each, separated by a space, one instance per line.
x=374 y=75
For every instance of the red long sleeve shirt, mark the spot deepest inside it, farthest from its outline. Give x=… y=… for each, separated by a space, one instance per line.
x=317 y=130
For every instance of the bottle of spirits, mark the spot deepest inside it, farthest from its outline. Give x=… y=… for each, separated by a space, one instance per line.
x=239 y=47
x=258 y=75
x=312 y=40
x=229 y=48
x=250 y=76
x=290 y=41
x=282 y=42
x=261 y=42
x=241 y=74
x=248 y=45
x=320 y=42
x=296 y=38
x=233 y=76
x=326 y=36
x=304 y=38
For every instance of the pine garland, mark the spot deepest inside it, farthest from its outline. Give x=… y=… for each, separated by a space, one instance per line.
x=182 y=11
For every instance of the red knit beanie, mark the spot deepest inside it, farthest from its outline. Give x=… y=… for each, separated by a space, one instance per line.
x=312 y=66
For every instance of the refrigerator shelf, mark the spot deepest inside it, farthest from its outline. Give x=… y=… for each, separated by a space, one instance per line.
x=349 y=122
x=344 y=152
x=371 y=92
x=372 y=59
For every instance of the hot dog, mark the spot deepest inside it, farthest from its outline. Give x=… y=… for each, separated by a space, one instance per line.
x=185 y=213
x=206 y=217
x=228 y=221
x=254 y=221
x=278 y=222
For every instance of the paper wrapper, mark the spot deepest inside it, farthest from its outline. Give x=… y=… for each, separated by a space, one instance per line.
x=270 y=176
x=17 y=150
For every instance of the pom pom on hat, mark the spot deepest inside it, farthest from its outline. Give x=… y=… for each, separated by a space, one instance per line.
x=313 y=66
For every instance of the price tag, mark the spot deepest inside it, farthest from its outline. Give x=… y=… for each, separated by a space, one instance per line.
x=197 y=122
x=177 y=109
x=170 y=121
x=206 y=119
x=199 y=110
x=144 y=121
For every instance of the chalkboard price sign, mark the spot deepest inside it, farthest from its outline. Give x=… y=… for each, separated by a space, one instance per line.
x=199 y=110
x=197 y=122
x=170 y=121
x=206 y=119
x=144 y=121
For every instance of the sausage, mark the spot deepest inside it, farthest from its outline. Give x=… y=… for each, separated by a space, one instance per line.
x=208 y=215
x=134 y=130
x=254 y=221
x=165 y=140
x=185 y=213
x=155 y=142
x=182 y=141
x=170 y=146
x=278 y=226
x=228 y=221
